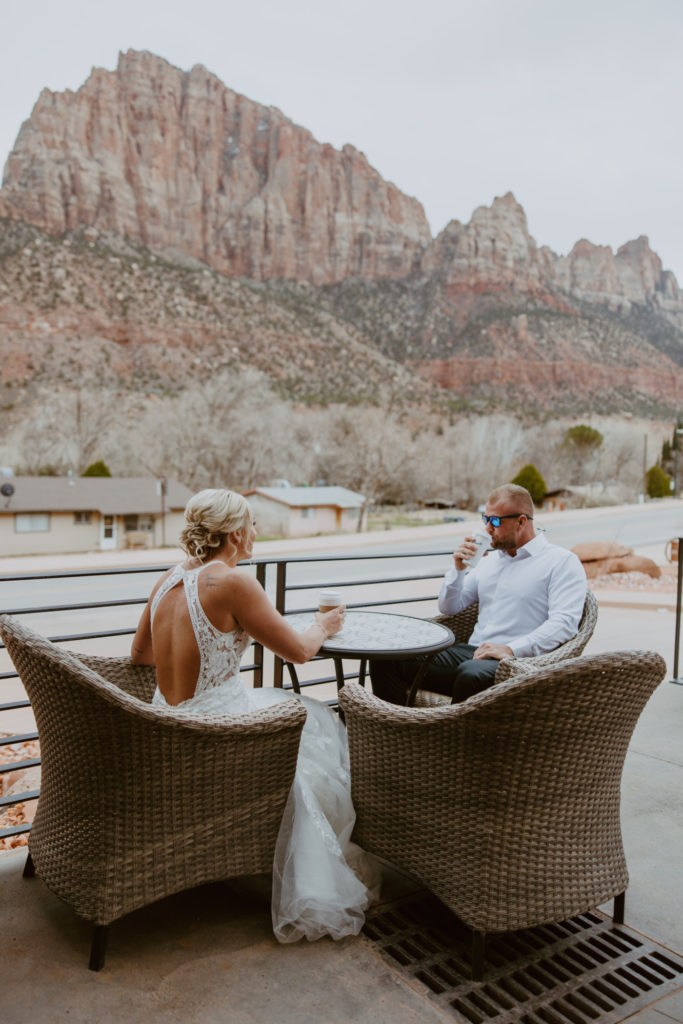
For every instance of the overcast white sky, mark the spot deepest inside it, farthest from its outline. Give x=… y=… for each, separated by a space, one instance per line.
x=573 y=105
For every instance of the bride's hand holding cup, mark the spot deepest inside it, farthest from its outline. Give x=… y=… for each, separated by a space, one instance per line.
x=331 y=611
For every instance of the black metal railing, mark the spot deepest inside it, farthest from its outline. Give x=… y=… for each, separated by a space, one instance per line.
x=288 y=581
x=679 y=593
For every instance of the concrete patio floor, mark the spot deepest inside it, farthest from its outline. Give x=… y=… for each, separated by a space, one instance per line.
x=209 y=955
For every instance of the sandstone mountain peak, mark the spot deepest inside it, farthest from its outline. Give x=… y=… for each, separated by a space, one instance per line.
x=505 y=206
x=176 y=160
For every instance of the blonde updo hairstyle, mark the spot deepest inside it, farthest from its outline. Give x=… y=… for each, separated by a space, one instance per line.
x=210 y=516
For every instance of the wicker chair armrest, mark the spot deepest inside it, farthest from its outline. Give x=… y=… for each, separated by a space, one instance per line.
x=138 y=680
x=509 y=667
x=36 y=658
x=265 y=720
x=260 y=722
x=571 y=648
x=165 y=746
x=354 y=698
x=461 y=623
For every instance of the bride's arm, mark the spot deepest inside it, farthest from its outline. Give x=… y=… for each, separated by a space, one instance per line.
x=255 y=613
x=141 y=649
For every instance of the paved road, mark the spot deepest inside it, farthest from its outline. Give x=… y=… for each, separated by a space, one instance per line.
x=632 y=525
x=635 y=526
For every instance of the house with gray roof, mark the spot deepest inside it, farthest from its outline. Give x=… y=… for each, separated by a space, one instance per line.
x=45 y=514
x=304 y=511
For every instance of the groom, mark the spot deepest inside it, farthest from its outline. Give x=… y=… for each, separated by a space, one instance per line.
x=531 y=595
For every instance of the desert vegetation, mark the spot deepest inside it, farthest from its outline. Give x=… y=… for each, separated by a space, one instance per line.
x=236 y=431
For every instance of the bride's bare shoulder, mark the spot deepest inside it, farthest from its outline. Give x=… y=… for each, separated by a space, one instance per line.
x=218 y=574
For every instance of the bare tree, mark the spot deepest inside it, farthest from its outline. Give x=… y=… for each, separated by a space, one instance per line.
x=68 y=430
x=235 y=431
x=360 y=451
x=477 y=454
x=232 y=431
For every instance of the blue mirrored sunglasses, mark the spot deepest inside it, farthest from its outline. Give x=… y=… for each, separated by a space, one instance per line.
x=496 y=520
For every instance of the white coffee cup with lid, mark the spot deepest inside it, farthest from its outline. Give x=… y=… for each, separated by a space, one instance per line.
x=483 y=542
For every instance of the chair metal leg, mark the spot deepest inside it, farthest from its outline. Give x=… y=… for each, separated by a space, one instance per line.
x=419 y=676
x=619 y=908
x=29 y=867
x=339 y=673
x=98 y=947
x=293 y=675
x=478 y=946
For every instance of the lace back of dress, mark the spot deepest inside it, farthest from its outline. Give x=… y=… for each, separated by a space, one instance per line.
x=206 y=634
x=169 y=583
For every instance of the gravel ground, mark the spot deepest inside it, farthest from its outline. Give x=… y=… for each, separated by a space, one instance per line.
x=665 y=583
x=21 y=781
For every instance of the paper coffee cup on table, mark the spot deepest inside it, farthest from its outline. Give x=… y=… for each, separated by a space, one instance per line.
x=483 y=542
x=329 y=599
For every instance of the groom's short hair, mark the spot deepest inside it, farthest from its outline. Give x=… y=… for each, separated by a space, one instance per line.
x=515 y=495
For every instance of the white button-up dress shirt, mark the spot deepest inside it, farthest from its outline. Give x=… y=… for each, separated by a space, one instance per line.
x=531 y=602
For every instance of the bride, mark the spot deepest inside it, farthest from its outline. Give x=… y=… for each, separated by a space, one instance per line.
x=200 y=618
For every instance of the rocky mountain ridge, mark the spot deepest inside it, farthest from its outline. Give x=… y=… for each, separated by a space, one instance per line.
x=218 y=200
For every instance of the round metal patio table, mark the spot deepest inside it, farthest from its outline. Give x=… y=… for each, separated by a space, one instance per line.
x=379 y=635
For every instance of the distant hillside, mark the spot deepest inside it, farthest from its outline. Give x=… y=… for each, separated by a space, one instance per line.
x=158 y=227
x=102 y=312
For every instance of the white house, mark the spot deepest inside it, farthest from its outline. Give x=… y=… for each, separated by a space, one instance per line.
x=47 y=515
x=302 y=511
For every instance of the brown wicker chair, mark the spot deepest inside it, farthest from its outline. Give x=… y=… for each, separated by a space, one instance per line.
x=507 y=806
x=464 y=622
x=137 y=803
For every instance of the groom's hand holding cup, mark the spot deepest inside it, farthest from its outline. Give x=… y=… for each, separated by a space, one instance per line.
x=471 y=550
x=331 y=611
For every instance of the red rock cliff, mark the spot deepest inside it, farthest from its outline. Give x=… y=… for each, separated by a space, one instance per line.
x=178 y=161
x=495 y=254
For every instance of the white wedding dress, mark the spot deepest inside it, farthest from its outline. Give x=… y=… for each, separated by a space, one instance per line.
x=322 y=882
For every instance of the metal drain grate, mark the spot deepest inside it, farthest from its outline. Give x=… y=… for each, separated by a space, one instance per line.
x=580 y=971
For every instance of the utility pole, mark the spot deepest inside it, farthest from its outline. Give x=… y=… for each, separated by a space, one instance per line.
x=675 y=455
x=161 y=491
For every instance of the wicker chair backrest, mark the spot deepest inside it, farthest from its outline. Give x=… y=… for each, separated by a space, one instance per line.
x=506 y=806
x=136 y=802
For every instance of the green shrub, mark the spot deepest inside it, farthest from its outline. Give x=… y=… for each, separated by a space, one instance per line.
x=658 y=483
x=98 y=468
x=583 y=438
x=530 y=478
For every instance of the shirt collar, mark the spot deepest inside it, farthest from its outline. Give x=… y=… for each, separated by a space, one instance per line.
x=531 y=548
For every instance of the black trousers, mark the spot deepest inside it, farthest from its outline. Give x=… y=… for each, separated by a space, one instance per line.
x=452 y=672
